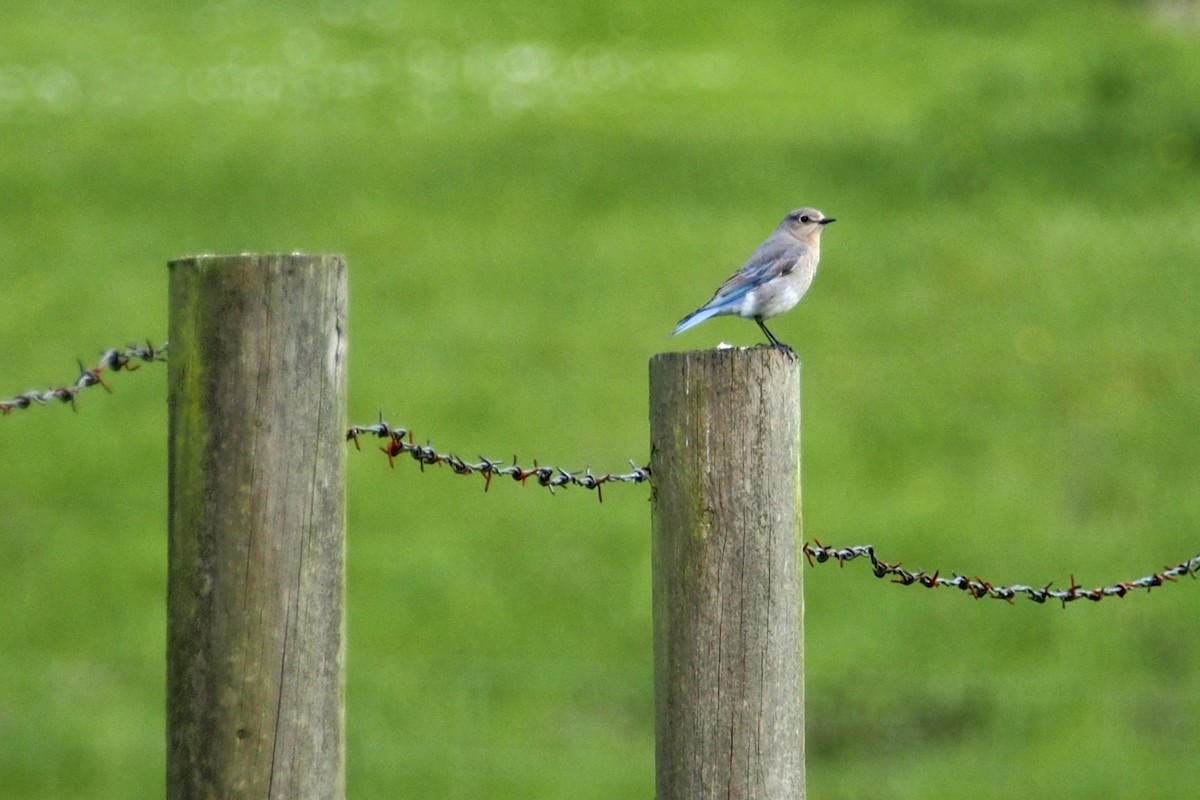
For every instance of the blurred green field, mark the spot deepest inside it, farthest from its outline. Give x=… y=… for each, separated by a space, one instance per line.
x=1000 y=364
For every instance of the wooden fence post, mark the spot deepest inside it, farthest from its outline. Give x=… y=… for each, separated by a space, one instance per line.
x=256 y=495
x=728 y=607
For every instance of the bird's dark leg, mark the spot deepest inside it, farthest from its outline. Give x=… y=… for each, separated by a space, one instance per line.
x=778 y=345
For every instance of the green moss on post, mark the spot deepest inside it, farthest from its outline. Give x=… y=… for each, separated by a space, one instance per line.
x=256 y=462
x=728 y=603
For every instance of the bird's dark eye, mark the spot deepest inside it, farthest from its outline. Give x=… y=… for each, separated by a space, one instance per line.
x=806 y=218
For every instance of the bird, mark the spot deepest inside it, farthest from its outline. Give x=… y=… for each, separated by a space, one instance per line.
x=773 y=279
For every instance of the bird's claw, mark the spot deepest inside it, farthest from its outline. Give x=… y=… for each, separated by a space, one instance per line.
x=782 y=348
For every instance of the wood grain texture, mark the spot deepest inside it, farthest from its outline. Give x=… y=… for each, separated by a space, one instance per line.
x=256 y=547
x=728 y=603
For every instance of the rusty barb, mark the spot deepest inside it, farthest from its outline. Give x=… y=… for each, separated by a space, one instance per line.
x=979 y=588
x=400 y=441
x=116 y=359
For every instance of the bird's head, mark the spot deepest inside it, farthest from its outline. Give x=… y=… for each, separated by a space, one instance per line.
x=806 y=223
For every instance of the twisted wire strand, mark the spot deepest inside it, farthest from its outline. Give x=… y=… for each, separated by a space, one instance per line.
x=117 y=359
x=400 y=441
x=978 y=588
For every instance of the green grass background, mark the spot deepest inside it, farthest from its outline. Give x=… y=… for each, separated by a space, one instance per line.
x=1000 y=365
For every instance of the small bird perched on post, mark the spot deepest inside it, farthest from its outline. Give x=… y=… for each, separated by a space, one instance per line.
x=773 y=279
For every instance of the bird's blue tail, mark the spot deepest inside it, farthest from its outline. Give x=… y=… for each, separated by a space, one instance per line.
x=695 y=318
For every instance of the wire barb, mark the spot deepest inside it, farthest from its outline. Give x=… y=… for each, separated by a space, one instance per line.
x=399 y=441
x=117 y=359
x=979 y=588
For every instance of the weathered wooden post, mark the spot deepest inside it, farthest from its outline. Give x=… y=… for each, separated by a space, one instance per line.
x=728 y=608
x=255 y=585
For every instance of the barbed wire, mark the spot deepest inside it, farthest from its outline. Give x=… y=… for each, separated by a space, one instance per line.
x=117 y=359
x=979 y=588
x=399 y=441
x=550 y=477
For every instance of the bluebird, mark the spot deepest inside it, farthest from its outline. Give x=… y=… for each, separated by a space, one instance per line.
x=773 y=279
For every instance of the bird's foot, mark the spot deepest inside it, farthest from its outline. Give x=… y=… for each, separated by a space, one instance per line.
x=783 y=348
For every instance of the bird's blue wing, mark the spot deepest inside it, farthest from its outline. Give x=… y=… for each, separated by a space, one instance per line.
x=771 y=260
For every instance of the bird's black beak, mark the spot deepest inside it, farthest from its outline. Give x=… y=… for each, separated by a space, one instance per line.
x=827 y=220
